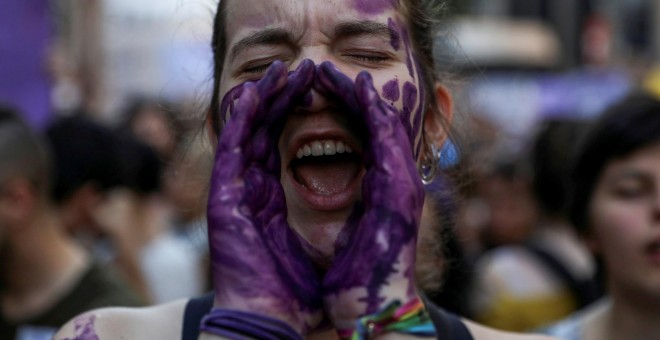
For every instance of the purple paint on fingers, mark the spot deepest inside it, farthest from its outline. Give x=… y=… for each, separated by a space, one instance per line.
x=383 y=227
x=256 y=257
x=409 y=101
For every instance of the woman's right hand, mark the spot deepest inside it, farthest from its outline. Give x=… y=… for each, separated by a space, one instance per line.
x=257 y=260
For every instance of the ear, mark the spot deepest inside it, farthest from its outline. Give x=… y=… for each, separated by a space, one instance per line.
x=18 y=201
x=437 y=121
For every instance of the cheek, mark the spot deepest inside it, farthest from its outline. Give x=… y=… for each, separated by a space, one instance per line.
x=619 y=232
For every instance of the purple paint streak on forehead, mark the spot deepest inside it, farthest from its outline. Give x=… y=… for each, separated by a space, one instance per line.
x=409 y=101
x=373 y=6
x=391 y=90
x=395 y=39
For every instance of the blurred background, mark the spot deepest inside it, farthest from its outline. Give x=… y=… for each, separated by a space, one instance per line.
x=554 y=57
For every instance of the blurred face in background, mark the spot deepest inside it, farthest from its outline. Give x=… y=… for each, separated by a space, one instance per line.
x=624 y=219
x=512 y=210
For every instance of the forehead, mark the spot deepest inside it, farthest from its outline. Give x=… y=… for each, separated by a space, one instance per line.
x=302 y=17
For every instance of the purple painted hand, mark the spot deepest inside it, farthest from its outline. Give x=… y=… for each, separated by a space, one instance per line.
x=375 y=257
x=258 y=263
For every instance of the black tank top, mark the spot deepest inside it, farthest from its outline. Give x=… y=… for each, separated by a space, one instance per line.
x=448 y=326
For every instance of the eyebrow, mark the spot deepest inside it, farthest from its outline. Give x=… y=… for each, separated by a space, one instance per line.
x=269 y=36
x=366 y=27
x=629 y=174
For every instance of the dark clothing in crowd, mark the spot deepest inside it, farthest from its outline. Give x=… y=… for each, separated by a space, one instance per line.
x=96 y=288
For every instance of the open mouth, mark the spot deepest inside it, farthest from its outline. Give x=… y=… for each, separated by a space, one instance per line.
x=653 y=251
x=326 y=167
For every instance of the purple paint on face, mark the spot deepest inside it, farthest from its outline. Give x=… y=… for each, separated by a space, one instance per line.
x=84 y=328
x=419 y=113
x=406 y=43
x=409 y=101
x=391 y=90
x=373 y=6
x=395 y=39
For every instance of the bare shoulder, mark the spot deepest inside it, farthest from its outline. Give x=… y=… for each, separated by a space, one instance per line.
x=480 y=332
x=157 y=322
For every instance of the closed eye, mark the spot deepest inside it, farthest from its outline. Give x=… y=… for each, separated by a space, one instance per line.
x=371 y=59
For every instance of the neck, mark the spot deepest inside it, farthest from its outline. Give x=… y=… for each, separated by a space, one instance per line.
x=630 y=319
x=39 y=263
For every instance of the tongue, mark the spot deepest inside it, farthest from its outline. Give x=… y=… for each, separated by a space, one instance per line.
x=326 y=175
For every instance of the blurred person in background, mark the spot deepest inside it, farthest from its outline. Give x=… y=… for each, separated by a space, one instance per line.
x=109 y=188
x=140 y=220
x=154 y=123
x=616 y=209
x=185 y=186
x=499 y=207
x=548 y=273
x=46 y=276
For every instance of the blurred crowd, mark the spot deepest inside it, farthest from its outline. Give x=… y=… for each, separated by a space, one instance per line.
x=95 y=215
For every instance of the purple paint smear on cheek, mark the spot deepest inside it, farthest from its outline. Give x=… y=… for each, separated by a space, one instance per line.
x=409 y=101
x=373 y=6
x=419 y=112
x=395 y=39
x=84 y=328
x=391 y=90
x=406 y=43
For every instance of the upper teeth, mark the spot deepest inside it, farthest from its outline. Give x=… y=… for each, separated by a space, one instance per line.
x=323 y=148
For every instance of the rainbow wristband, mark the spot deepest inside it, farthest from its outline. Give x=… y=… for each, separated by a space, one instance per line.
x=410 y=318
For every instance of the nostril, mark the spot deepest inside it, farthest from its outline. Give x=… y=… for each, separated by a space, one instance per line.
x=314 y=102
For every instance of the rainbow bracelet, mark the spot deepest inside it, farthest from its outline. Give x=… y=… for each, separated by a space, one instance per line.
x=410 y=318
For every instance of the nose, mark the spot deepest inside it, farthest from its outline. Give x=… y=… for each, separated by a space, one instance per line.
x=314 y=101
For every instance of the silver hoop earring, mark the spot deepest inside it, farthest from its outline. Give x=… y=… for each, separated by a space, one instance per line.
x=429 y=168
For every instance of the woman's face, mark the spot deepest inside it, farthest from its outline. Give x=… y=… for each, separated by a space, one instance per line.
x=354 y=35
x=625 y=221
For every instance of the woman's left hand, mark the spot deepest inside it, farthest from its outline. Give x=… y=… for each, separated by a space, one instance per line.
x=376 y=265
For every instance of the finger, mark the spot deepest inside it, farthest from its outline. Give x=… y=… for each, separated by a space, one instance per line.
x=230 y=160
x=390 y=159
x=299 y=82
x=381 y=120
x=273 y=80
x=334 y=84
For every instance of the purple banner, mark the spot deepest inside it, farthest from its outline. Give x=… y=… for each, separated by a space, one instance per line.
x=25 y=37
